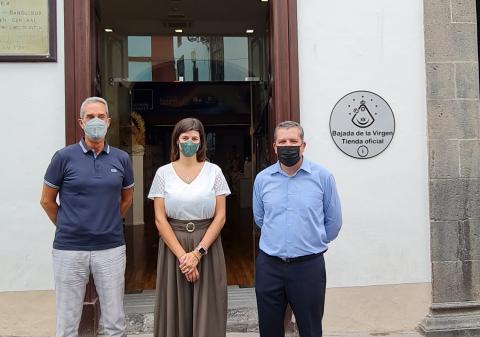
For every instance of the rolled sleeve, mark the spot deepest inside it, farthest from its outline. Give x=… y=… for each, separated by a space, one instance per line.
x=332 y=210
x=55 y=171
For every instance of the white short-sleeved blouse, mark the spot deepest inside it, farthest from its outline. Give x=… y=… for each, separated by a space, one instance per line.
x=194 y=201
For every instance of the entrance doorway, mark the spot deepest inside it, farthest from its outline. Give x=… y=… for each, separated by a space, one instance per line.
x=82 y=29
x=153 y=76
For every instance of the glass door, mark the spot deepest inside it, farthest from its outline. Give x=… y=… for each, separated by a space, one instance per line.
x=152 y=77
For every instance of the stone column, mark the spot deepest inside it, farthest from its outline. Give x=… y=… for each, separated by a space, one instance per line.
x=454 y=167
x=135 y=225
x=138 y=152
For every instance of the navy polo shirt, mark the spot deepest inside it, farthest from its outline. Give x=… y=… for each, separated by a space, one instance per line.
x=89 y=188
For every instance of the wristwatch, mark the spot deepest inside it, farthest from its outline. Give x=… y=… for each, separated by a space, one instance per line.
x=201 y=250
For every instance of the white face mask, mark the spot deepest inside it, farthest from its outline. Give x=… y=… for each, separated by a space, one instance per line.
x=95 y=129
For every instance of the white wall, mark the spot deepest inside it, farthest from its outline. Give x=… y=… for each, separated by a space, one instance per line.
x=375 y=45
x=32 y=106
x=344 y=46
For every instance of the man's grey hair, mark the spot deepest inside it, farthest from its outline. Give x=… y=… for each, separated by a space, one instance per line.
x=288 y=125
x=91 y=100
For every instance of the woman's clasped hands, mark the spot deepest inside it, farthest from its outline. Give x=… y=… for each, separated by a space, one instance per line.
x=188 y=266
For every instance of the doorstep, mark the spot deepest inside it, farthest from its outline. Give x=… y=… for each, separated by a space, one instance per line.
x=241 y=314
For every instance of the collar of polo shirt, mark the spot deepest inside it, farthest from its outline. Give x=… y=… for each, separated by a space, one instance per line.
x=85 y=148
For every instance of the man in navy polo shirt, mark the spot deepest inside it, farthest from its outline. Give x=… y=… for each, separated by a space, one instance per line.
x=94 y=182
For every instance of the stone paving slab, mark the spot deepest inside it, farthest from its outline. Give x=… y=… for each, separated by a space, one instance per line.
x=256 y=334
x=372 y=334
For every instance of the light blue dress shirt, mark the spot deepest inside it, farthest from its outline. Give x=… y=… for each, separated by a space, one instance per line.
x=298 y=215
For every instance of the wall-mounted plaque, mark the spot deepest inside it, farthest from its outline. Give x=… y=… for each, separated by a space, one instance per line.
x=28 y=30
x=362 y=124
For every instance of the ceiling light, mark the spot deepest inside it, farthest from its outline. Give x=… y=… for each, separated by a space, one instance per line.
x=249 y=31
x=178 y=30
x=264 y=0
x=109 y=30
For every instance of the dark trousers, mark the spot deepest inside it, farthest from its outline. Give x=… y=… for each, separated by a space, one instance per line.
x=301 y=284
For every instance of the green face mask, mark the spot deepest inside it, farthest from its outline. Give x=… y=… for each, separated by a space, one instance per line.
x=189 y=148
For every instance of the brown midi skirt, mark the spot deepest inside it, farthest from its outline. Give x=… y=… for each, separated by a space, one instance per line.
x=184 y=309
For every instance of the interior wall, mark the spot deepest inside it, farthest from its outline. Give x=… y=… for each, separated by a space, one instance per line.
x=33 y=108
x=346 y=46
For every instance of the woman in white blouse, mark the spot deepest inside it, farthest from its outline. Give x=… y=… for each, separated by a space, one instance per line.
x=189 y=200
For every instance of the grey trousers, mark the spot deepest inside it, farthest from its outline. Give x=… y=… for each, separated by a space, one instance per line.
x=71 y=271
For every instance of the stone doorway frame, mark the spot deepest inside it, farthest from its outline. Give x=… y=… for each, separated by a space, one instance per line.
x=80 y=56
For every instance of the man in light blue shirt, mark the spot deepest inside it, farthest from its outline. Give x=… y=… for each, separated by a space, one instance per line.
x=296 y=205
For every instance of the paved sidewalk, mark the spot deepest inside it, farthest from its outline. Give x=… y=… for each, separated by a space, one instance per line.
x=32 y=314
x=396 y=334
x=393 y=334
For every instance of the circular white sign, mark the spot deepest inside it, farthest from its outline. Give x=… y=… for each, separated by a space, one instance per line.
x=362 y=124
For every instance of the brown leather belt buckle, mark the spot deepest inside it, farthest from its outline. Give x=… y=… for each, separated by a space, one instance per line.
x=190 y=227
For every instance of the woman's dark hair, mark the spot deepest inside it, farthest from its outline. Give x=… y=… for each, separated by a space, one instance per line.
x=185 y=125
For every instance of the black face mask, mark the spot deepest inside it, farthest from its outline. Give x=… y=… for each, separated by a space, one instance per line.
x=288 y=155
